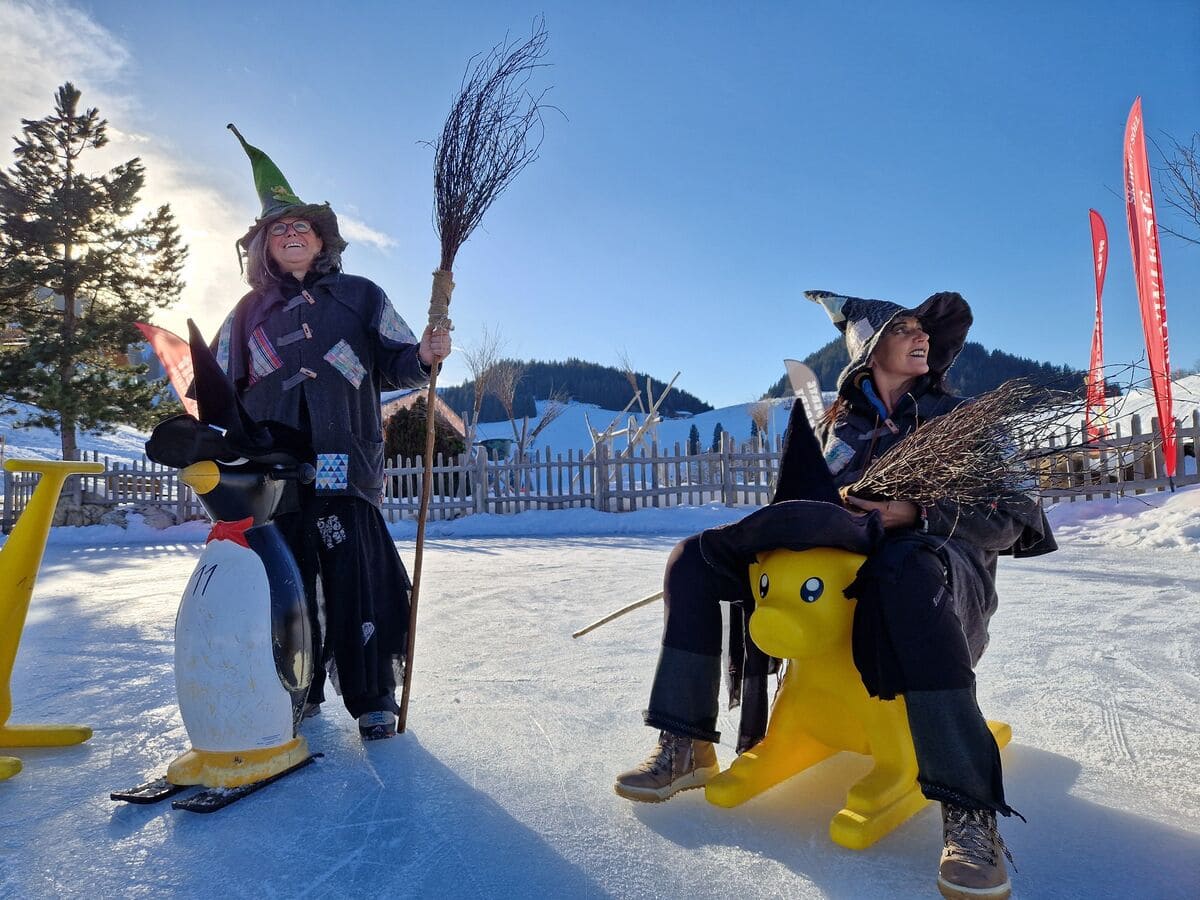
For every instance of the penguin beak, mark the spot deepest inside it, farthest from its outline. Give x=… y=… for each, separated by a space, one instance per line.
x=201 y=477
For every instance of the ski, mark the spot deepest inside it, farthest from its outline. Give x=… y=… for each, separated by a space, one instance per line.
x=150 y=792
x=212 y=799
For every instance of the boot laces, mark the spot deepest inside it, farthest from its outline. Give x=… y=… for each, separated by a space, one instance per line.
x=972 y=835
x=662 y=757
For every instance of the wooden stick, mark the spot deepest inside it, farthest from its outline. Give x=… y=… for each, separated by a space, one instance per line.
x=645 y=601
x=439 y=305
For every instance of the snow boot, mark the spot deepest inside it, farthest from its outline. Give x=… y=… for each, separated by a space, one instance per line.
x=676 y=764
x=972 y=864
x=374 y=726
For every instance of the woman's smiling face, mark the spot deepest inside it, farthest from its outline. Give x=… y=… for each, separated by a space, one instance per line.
x=903 y=351
x=293 y=250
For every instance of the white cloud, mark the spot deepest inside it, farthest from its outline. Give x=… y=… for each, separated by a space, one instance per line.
x=35 y=40
x=46 y=43
x=358 y=232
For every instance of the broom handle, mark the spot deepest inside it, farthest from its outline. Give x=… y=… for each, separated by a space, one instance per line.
x=616 y=614
x=439 y=306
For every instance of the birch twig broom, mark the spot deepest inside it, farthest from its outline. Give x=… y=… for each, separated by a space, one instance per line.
x=493 y=131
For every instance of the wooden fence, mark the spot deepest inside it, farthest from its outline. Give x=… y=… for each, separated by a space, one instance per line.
x=652 y=477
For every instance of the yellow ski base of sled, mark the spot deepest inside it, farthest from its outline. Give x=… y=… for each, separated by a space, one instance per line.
x=9 y=766
x=43 y=735
x=228 y=769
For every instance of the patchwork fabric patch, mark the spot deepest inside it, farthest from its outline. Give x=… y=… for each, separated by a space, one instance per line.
x=837 y=454
x=368 y=631
x=858 y=332
x=394 y=328
x=343 y=358
x=332 y=532
x=263 y=358
x=333 y=471
x=223 y=337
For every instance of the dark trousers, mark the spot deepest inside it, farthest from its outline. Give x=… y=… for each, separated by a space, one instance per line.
x=344 y=542
x=905 y=628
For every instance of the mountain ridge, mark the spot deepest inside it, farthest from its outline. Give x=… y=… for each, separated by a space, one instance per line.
x=976 y=370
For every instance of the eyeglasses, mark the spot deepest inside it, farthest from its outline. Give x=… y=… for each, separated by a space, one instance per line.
x=299 y=226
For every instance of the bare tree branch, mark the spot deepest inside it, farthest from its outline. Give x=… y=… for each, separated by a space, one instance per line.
x=1179 y=180
x=481 y=359
x=505 y=376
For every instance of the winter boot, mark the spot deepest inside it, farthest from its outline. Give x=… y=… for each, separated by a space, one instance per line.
x=972 y=864
x=374 y=726
x=676 y=764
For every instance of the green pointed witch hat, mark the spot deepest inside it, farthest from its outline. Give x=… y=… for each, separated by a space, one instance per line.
x=278 y=199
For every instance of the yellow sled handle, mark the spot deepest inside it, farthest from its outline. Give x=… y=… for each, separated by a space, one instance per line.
x=20 y=559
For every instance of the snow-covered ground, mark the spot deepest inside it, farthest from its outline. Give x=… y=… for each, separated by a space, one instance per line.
x=502 y=785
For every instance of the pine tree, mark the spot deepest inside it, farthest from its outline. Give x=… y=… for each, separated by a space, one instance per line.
x=693 y=441
x=404 y=438
x=76 y=272
x=716 y=441
x=753 y=429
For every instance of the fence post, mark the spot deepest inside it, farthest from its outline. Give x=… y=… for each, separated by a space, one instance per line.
x=600 y=478
x=728 y=488
x=479 y=490
x=8 y=501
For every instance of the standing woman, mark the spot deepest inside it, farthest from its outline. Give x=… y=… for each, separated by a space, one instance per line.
x=312 y=347
x=926 y=592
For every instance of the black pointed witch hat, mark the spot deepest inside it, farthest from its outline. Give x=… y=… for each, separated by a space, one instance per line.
x=225 y=431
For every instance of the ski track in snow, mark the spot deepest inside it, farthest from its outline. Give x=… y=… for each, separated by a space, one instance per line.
x=502 y=786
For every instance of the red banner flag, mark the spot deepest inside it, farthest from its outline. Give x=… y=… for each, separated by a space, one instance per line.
x=1147 y=269
x=176 y=358
x=1095 y=376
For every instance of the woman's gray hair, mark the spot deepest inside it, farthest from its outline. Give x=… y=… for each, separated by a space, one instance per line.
x=261 y=270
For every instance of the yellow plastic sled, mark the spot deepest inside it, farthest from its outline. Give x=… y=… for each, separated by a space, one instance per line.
x=823 y=707
x=20 y=560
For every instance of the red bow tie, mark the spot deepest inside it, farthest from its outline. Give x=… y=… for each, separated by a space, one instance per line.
x=231 y=531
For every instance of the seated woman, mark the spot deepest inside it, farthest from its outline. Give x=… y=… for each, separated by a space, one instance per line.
x=926 y=592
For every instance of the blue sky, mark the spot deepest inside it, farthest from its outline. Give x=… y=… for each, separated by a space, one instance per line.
x=711 y=162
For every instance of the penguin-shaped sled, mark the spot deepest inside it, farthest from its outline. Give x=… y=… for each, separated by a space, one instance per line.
x=243 y=643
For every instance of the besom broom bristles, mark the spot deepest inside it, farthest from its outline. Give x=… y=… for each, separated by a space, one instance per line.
x=1002 y=446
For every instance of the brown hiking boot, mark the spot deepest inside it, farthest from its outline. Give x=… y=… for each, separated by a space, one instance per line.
x=676 y=764
x=972 y=865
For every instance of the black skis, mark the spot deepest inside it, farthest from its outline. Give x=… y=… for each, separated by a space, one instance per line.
x=150 y=792
x=212 y=799
x=205 y=801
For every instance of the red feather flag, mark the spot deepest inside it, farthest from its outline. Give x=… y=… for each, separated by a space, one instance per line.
x=1095 y=376
x=1147 y=269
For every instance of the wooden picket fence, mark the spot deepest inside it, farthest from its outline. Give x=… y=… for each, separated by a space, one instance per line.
x=651 y=477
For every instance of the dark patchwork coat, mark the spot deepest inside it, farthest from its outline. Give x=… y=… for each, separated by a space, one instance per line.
x=315 y=357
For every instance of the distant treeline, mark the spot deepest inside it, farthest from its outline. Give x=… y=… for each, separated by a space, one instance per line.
x=976 y=370
x=581 y=381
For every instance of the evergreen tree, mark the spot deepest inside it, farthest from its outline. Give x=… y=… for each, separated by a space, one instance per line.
x=404 y=435
x=753 y=429
x=76 y=273
x=693 y=441
x=716 y=441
